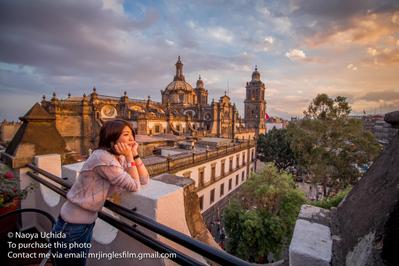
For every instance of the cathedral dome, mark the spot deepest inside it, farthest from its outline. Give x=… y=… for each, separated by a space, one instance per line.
x=179 y=91
x=179 y=83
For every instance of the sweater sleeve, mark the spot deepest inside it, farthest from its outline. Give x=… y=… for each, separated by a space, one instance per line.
x=117 y=176
x=143 y=180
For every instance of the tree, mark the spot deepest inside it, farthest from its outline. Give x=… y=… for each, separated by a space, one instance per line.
x=325 y=108
x=275 y=147
x=331 y=146
x=261 y=218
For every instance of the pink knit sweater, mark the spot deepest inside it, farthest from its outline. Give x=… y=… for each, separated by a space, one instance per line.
x=101 y=175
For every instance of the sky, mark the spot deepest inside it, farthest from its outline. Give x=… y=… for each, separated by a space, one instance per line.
x=301 y=48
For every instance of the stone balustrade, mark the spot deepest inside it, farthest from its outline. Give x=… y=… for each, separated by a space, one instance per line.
x=179 y=162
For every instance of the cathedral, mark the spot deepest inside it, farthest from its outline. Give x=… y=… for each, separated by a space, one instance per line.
x=184 y=111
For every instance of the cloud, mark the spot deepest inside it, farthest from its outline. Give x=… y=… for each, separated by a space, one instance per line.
x=221 y=34
x=114 y=5
x=169 y=42
x=264 y=11
x=268 y=43
x=269 y=39
x=395 y=18
x=351 y=67
x=71 y=45
x=300 y=56
x=372 y=51
x=81 y=48
x=386 y=95
x=382 y=57
x=296 y=54
x=360 y=29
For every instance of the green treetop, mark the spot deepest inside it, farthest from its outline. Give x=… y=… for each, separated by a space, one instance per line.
x=261 y=218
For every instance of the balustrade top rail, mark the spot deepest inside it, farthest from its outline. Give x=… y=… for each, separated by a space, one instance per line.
x=197 y=246
x=179 y=162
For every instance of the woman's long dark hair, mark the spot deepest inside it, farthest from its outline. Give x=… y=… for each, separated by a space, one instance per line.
x=110 y=133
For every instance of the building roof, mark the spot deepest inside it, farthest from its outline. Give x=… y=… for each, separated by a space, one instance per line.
x=156 y=138
x=214 y=142
x=36 y=136
x=177 y=85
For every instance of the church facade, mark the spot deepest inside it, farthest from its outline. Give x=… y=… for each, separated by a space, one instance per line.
x=183 y=111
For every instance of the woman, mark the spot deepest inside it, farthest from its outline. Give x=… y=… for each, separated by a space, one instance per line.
x=114 y=166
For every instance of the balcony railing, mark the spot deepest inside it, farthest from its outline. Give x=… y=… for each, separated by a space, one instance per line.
x=199 y=247
x=173 y=165
x=217 y=178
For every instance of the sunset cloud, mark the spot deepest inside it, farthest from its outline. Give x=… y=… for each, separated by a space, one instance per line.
x=362 y=29
x=351 y=67
x=382 y=57
x=295 y=54
x=301 y=48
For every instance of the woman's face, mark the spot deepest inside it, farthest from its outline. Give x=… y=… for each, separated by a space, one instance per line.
x=127 y=137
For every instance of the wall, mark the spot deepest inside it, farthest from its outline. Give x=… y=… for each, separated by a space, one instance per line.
x=205 y=192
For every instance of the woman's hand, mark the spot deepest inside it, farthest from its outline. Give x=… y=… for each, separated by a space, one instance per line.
x=124 y=149
x=134 y=149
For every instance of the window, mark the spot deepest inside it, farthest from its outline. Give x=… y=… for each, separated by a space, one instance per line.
x=242 y=176
x=237 y=161
x=237 y=180
x=212 y=198
x=252 y=155
x=222 y=168
x=213 y=171
x=230 y=183
x=178 y=128
x=221 y=189
x=231 y=164
x=243 y=158
x=201 y=202
x=201 y=177
x=157 y=129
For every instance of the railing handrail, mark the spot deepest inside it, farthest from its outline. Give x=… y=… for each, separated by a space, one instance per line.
x=181 y=258
x=197 y=246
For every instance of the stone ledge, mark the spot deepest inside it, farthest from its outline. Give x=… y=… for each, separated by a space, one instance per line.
x=315 y=214
x=311 y=243
x=173 y=179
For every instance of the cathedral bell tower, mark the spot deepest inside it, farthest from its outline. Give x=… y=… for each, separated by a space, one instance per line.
x=201 y=92
x=255 y=104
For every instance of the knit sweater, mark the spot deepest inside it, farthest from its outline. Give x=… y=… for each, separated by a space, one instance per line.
x=101 y=175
